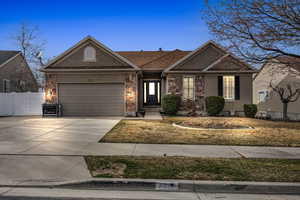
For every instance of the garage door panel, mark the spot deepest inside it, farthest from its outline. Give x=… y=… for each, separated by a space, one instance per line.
x=91 y=99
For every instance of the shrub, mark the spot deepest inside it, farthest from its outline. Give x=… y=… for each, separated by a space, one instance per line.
x=214 y=105
x=250 y=110
x=170 y=104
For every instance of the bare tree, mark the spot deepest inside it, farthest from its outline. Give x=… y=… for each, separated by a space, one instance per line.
x=28 y=41
x=256 y=30
x=287 y=94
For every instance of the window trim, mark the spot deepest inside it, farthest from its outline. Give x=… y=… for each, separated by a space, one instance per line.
x=194 y=87
x=85 y=59
x=5 y=81
x=233 y=88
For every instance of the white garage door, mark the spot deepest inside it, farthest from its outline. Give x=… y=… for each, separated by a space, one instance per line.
x=79 y=99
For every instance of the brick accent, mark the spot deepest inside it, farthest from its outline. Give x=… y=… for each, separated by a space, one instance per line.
x=131 y=94
x=175 y=87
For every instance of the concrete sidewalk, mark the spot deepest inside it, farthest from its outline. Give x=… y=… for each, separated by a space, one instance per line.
x=61 y=148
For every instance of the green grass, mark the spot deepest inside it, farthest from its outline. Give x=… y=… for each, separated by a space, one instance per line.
x=233 y=169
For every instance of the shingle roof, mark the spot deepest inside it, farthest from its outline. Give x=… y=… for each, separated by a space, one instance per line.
x=5 y=55
x=158 y=60
x=291 y=61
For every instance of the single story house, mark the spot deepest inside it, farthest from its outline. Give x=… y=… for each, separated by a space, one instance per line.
x=91 y=79
x=279 y=72
x=15 y=74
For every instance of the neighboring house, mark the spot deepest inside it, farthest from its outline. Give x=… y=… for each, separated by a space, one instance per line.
x=15 y=74
x=280 y=72
x=91 y=79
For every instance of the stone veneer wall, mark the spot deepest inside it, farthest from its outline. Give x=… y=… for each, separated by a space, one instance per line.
x=50 y=88
x=130 y=92
x=175 y=82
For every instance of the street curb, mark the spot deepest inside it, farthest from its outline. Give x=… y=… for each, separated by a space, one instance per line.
x=172 y=185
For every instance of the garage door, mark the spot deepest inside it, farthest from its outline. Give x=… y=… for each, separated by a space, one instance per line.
x=91 y=99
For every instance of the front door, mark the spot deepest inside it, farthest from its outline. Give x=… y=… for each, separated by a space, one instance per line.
x=152 y=92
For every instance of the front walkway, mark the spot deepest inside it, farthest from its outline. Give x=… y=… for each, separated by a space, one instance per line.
x=153 y=115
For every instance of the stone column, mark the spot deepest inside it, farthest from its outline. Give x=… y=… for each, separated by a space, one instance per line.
x=50 y=88
x=131 y=94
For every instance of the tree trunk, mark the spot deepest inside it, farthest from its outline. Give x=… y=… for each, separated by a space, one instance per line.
x=285 y=107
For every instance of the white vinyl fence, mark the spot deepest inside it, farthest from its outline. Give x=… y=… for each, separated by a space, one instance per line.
x=18 y=104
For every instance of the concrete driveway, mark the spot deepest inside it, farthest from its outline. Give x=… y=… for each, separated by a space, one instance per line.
x=14 y=129
x=22 y=137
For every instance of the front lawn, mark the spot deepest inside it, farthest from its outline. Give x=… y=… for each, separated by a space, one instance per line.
x=233 y=169
x=265 y=133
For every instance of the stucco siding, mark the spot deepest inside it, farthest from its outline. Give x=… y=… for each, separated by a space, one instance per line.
x=269 y=73
x=211 y=89
x=273 y=102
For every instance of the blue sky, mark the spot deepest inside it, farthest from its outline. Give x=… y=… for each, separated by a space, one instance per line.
x=119 y=24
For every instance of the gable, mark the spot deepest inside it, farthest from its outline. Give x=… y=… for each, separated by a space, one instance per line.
x=73 y=58
x=229 y=63
x=17 y=69
x=201 y=59
x=103 y=59
x=6 y=55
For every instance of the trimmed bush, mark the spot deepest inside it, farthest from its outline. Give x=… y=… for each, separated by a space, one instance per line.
x=170 y=104
x=250 y=110
x=214 y=105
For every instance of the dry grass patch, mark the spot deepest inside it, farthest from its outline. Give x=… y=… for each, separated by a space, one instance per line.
x=234 y=169
x=266 y=133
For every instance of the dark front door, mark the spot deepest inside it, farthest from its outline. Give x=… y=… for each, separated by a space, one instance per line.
x=152 y=92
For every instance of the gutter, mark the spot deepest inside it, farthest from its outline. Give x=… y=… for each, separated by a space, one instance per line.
x=210 y=72
x=88 y=70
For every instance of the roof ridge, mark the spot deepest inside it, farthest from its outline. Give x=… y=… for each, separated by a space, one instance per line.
x=159 y=57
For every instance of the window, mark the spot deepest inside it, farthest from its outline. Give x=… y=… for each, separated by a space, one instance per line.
x=145 y=92
x=158 y=92
x=6 y=86
x=228 y=87
x=262 y=96
x=21 y=84
x=89 y=54
x=151 y=88
x=188 y=88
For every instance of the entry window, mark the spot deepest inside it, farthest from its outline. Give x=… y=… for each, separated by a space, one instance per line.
x=145 y=92
x=6 y=86
x=158 y=92
x=188 y=88
x=89 y=54
x=151 y=88
x=228 y=87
